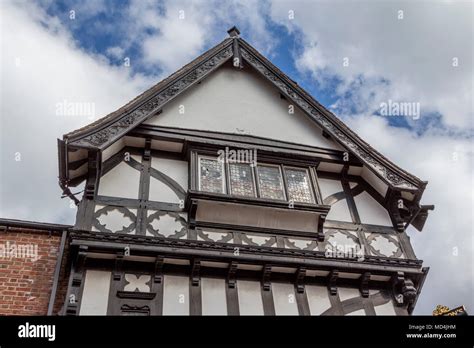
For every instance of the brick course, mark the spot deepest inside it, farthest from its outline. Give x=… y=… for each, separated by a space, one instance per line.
x=25 y=284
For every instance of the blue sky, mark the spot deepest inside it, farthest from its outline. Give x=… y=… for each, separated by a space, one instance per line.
x=352 y=56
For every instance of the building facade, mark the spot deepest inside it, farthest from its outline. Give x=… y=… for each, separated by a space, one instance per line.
x=226 y=189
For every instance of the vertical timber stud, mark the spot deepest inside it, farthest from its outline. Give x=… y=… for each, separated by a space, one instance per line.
x=157 y=284
x=301 y=299
x=144 y=189
x=231 y=290
x=76 y=282
x=195 y=302
x=267 y=295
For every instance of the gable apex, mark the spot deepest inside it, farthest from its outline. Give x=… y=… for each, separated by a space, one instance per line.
x=105 y=131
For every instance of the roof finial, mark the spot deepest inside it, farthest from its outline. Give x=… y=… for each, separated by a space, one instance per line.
x=233 y=32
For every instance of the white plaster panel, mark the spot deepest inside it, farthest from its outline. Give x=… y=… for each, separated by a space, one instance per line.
x=318 y=299
x=385 y=309
x=340 y=211
x=370 y=211
x=240 y=101
x=374 y=181
x=176 y=170
x=176 y=295
x=95 y=295
x=329 y=187
x=347 y=293
x=284 y=299
x=330 y=167
x=357 y=312
x=250 y=297
x=161 y=192
x=122 y=181
x=214 y=300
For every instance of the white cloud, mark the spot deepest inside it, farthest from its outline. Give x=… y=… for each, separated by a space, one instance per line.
x=41 y=68
x=415 y=54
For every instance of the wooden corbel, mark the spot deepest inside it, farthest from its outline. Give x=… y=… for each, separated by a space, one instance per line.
x=364 y=284
x=300 y=275
x=195 y=276
x=158 y=276
x=231 y=275
x=403 y=289
x=332 y=282
x=267 y=273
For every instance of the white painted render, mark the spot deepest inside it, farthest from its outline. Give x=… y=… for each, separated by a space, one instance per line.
x=175 y=295
x=284 y=299
x=370 y=211
x=214 y=300
x=240 y=101
x=95 y=295
x=121 y=181
x=250 y=297
x=318 y=299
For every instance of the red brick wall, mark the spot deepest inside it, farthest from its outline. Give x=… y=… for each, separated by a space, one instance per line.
x=25 y=284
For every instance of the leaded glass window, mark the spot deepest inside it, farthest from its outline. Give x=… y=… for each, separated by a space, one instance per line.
x=270 y=182
x=299 y=186
x=211 y=175
x=241 y=180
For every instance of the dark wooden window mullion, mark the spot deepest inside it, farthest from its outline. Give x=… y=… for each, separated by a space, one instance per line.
x=316 y=189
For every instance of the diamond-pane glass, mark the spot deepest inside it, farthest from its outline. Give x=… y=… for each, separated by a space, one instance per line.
x=270 y=182
x=299 y=187
x=211 y=175
x=241 y=181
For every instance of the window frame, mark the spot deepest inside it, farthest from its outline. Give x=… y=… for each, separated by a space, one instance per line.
x=283 y=183
x=281 y=163
x=224 y=174
x=310 y=181
x=254 y=179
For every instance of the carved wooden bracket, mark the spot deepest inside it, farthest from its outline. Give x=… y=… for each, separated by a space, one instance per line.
x=231 y=275
x=320 y=233
x=195 y=276
x=267 y=273
x=332 y=282
x=404 y=291
x=79 y=266
x=364 y=284
x=118 y=266
x=158 y=276
x=300 y=274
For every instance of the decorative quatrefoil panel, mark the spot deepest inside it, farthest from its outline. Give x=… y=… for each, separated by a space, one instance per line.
x=139 y=283
x=114 y=219
x=384 y=245
x=166 y=224
x=341 y=240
